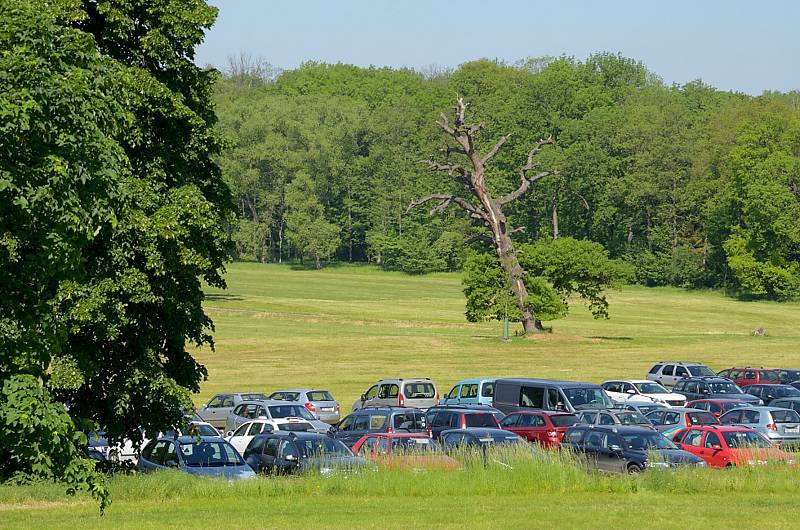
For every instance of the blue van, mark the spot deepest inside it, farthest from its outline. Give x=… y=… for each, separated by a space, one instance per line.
x=470 y=392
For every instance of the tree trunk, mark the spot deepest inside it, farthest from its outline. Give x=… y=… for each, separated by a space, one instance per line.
x=317 y=262
x=555 y=216
x=516 y=274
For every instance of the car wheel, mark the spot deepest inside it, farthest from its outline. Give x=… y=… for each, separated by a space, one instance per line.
x=634 y=469
x=113 y=456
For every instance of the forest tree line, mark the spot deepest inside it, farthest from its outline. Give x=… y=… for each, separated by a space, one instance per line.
x=690 y=185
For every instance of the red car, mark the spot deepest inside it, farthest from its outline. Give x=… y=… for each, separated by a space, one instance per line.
x=403 y=451
x=544 y=427
x=751 y=376
x=727 y=446
x=717 y=407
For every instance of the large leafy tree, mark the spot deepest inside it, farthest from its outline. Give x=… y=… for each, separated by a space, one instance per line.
x=111 y=210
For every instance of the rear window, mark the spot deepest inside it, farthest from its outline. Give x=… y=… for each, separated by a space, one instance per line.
x=253 y=397
x=481 y=420
x=770 y=375
x=785 y=416
x=564 y=420
x=409 y=421
x=655 y=369
x=419 y=391
x=702 y=418
x=319 y=395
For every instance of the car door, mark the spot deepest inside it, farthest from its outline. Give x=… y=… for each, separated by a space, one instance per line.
x=469 y=393
x=713 y=452
x=692 y=442
x=487 y=392
x=666 y=377
x=217 y=409
x=525 y=427
x=240 y=438
x=680 y=373
x=510 y=423
x=367 y=397
x=596 y=448
x=267 y=460
x=452 y=397
x=288 y=459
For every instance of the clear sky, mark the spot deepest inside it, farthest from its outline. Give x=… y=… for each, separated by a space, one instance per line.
x=731 y=44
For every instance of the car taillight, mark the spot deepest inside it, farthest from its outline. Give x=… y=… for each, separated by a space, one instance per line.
x=430 y=431
x=437 y=398
x=772 y=426
x=389 y=430
x=337 y=408
x=311 y=408
x=402 y=400
x=689 y=421
x=552 y=434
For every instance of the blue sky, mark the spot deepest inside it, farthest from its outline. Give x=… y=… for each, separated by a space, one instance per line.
x=733 y=45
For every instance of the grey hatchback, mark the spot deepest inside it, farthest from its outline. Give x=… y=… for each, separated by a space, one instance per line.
x=613 y=417
x=780 y=426
x=320 y=403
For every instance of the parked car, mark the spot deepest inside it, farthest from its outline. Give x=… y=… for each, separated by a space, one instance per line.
x=728 y=445
x=403 y=451
x=498 y=414
x=474 y=437
x=788 y=375
x=545 y=427
x=512 y=395
x=625 y=448
x=440 y=419
x=613 y=417
x=787 y=403
x=669 y=421
x=320 y=403
x=240 y=438
x=375 y=420
x=751 y=376
x=417 y=393
x=670 y=372
x=218 y=407
x=717 y=407
x=291 y=416
x=283 y=453
x=206 y=455
x=712 y=388
x=779 y=426
x=639 y=391
x=128 y=450
x=470 y=392
x=642 y=408
x=767 y=393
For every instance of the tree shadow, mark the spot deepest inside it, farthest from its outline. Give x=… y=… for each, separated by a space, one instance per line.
x=605 y=337
x=223 y=297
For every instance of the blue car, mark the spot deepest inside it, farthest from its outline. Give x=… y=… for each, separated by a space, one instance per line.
x=204 y=455
x=470 y=392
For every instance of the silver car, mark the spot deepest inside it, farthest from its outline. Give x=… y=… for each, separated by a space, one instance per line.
x=780 y=426
x=319 y=402
x=218 y=407
x=418 y=393
x=270 y=409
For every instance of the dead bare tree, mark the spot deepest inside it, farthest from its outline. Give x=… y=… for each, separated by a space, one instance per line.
x=488 y=210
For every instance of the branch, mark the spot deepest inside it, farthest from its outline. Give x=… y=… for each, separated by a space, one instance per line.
x=445 y=125
x=448 y=149
x=525 y=180
x=445 y=201
x=461 y=109
x=493 y=151
x=450 y=169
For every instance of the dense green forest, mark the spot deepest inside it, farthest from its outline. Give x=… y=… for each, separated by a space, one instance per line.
x=690 y=185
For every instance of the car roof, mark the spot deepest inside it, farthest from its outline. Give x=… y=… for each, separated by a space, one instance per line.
x=385 y=409
x=544 y=412
x=795 y=398
x=300 y=435
x=620 y=429
x=716 y=400
x=566 y=384
x=396 y=435
x=632 y=381
x=720 y=427
x=470 y=381
x=684 y=363
x=479 y=430
x=405 y=380
x=759 y=408
x=266 y=402
x=678 y=409
x=186 y=439
x=707 y=378
x=299 y=390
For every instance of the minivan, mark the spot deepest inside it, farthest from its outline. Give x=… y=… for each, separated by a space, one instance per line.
x=511 y=395
x=420 y=393
x=470 y=392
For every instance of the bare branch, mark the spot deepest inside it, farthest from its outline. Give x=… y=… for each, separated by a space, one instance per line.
x=446 y=200
x=449 y=149
x=450 y=169
x=493 y=151
x=461 y=109
x=445 y=124
x=524 y=186
x=533 y=152
x=475 y=128
x=517 y=230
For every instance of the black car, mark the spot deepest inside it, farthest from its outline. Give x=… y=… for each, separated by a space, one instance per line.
x=477 y=438
x=440 y=419
x=625 y=449
x=769 y=392
x=788 y=375
x=291 y=452
x=378 y=419
x=712 y=388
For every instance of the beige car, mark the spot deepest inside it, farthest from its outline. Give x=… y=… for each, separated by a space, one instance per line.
x=419 y=393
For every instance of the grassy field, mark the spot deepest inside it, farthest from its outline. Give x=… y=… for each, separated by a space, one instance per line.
x=345 y=327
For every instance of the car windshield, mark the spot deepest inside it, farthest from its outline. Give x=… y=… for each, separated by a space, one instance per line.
x=290 y=411
x=651 y=388
x=785 y=416
x=702 y=418
x=646 y=409
x=319 y=395
x=419 y=391
x=414 y=445
x=632 y=418
x=499 y=438
x=587 y=398
x=564 y=420
x=253 y=397
x=645 y=441
x=724 y=388
x=323 y=446
x=740 y=439
x=210 y=454
x=700 y=371
x=195 y=429
x=285 y=396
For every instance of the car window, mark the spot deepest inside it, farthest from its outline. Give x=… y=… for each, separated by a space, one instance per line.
x=288 y=449
x=702 y=418
x=785 y=416
x=241 y=430
x=711 y=440
x=238 y=410
x=750 y=375
x=562 y=420
x=538 y=421
x=421 y=390
x=469 y=391
x=255 y=428
x=733 y=416
x=671 y=418
x=681 y=371
x=668 y=370
x=554 y=400
x=693 y=437
x=377 y=421
x=271 y=447
x=346 y=424
x=319 y=395
x=713 y=407
x=680 y=386
x=453 y=438
x=373 y=390
x=487 y=390
x=170 y=456
x=361 y=423
x=254 y=397
x=750 y=416
x=216 y=402
x=256 y=445
x=611 y=387
x=531 y=396
x=691 y=386
x=481 y=420
x=588 y=417
x=453 y=392
x=383 y=391
x=157 y=454
x=596 y=440
x=409 y=420
x=393 y=391
x=655 y=369
x=606 y=419
x=627 y=386
x=656 y=417
x=510 y=420
x=575 y=435
x=701 y=371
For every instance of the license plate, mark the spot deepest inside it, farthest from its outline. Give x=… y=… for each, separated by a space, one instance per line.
x=326 y=409
x=792 y=430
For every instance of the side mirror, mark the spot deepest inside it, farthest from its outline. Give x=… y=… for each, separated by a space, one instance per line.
x=291 y=458
x=705 y=391
x=615 y=449
x=716 y=447
x=229 y=434
x=630 y=391
x=363 y=398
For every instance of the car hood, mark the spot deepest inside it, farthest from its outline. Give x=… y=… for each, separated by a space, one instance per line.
x=741 y=397
x=672 y=396
x=759 y=455
x=229 y=472
x=676 y=456
x=326 y=464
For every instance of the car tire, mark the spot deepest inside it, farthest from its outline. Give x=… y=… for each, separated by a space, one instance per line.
x=634 y=469
x=113 y=457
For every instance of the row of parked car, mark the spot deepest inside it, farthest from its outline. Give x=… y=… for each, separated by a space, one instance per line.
x=705 y=419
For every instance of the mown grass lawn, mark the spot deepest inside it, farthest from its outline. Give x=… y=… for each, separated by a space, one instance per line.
x=345 y=327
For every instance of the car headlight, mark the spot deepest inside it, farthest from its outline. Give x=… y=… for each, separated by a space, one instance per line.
x=660 y=464
x=757 y=462
x=701 y=463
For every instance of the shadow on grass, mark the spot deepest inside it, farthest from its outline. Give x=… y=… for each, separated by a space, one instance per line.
x=223 y=296
x=311 y=266
x=604 y=337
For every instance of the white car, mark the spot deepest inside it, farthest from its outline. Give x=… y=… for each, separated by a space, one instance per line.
x=128 y=452
x=240 y=438
x=642 y=391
